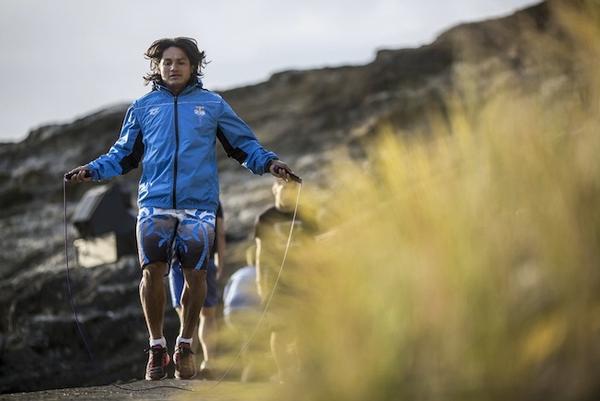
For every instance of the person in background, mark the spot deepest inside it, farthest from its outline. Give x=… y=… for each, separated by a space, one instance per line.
x=271 y=233
x=241 y=311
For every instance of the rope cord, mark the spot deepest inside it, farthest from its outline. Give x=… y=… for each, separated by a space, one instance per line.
x=68 y=279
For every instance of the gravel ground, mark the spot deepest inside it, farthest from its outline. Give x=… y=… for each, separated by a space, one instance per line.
x=143 y=390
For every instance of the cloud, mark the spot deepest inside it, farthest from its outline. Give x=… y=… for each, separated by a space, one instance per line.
x=67 y=57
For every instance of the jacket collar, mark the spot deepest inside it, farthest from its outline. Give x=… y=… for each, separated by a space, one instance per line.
x=156 y=86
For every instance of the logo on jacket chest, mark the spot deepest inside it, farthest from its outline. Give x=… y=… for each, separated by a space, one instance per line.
x=199 y=111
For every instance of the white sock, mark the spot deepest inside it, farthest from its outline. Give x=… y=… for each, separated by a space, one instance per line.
x=184 y=340
x=158 y=341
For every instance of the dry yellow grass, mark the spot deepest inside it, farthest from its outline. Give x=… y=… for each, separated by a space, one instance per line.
x=465 y=266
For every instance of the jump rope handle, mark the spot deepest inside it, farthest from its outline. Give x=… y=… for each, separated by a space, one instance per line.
x=294 y=177
x=69 y=175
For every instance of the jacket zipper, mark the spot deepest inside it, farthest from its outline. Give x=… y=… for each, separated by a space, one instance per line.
x=176 y=156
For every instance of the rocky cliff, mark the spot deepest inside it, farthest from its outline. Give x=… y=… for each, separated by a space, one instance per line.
x=305 y=116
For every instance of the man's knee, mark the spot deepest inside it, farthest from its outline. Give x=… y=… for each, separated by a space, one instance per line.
x=154 y=272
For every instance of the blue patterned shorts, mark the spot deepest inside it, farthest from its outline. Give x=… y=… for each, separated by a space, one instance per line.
x=186 y=234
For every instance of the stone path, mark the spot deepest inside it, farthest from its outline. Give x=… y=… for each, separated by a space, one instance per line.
x=170 y=389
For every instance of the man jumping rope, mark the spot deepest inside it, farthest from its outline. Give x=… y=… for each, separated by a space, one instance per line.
x=172 y=130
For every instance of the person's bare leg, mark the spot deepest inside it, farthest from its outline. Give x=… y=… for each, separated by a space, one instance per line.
x=195 y=343
x=286 y=364
x=192 y=298
x=152 y=297
x=180 y=316
x=208 y=334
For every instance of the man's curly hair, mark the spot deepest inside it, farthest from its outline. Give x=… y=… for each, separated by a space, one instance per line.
x=190 y=48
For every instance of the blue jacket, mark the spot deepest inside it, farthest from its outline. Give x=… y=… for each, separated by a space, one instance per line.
x=174 y=137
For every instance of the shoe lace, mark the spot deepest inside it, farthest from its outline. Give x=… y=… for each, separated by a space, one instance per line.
x=184 y=351
x=157 y=354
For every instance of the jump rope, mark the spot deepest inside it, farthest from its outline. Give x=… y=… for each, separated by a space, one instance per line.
x=244 y=346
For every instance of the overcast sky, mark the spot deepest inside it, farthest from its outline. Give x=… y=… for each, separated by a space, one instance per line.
x=66 y=58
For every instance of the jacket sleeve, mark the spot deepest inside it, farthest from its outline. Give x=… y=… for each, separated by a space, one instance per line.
x=239 y=141
x=124 y=155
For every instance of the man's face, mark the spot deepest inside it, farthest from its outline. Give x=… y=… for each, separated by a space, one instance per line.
x=175 y=69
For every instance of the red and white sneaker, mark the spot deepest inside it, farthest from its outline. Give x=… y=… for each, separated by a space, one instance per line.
x=185 y=368
x=158 y=360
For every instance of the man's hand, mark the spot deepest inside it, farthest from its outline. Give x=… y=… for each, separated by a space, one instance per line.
x=281 y=170
x=79 y=174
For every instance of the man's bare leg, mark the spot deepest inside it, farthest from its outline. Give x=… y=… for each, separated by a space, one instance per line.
x=152 y=296
x=192 y=298
x=196 y=346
